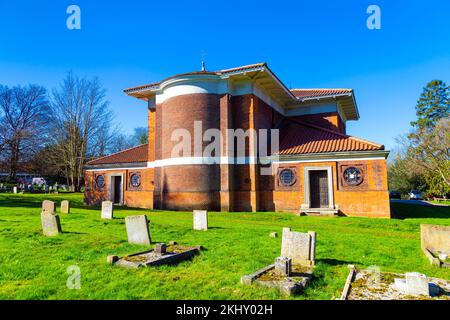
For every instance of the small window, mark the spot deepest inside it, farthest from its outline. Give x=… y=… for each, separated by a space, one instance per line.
x=353 y=176
x=135 y=180
x=287 y=177
x=100 y=181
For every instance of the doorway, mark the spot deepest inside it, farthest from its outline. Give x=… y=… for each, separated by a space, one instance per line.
x=319 y=189
x=116 y=191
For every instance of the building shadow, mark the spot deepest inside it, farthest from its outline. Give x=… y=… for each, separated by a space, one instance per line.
x=403 y=211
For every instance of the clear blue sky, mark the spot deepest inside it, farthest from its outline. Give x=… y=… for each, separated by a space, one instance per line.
x=306 y=43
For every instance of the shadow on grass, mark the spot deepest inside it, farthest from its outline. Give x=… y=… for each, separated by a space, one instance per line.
x=334 y=262
x=35 y=201
x=71 y=232
x=404 y=211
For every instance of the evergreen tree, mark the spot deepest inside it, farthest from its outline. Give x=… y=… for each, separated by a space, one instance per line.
x=433 y=104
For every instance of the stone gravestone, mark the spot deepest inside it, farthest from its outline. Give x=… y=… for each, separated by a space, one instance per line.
x=15 y=190
x=161 y=248
x=283 y=266
x=200 y=220
x=417 y=284
x=48 y=206
x=51 y=226
x=65 y=207
x=137 y=230
x=300 y=247
x=107 y=210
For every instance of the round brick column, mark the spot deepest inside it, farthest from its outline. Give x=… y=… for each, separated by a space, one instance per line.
x=188 y=186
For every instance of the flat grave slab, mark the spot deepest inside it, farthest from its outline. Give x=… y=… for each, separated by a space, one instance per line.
x=293 y=270
x=367 y=285
x=171 y=254
x=293 y=284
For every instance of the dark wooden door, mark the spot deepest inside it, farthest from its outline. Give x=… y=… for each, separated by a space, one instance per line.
x=318 y=181
x=117 y=185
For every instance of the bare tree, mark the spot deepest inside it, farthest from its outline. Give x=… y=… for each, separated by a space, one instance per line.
x=24 y=114
x=117 y=141
x=430 y=150
x=80 y=115
x=120 y=142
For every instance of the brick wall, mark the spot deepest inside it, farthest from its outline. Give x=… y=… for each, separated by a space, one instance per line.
x=187 y=186
x=371 y=199
x=141 y=197
x=330 y=120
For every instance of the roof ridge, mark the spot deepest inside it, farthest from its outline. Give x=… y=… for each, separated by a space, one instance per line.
x=300 y=122
x=259 y=64
x=116 y=153
x=218 y=72
x=381 y=146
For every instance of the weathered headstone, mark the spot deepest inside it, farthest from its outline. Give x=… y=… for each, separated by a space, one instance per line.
x=435 y=237
x=300 y=247
x=283 y=266
x=200 y=220
x=417 y=284
x=435 y=242
x=65 y=207
x=161 y=248
x=51 y=226
x=107 y=210
x=15 y=190
x=48 y=206
x=137 y=230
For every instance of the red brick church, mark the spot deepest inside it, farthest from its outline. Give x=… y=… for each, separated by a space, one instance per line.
x=317 y=169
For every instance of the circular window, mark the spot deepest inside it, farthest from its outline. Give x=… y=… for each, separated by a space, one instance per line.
x=100 y=181
x=287 y=177
x=135 y=180
x=353 y=176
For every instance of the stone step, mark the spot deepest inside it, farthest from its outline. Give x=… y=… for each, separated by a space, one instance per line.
x=319 y=213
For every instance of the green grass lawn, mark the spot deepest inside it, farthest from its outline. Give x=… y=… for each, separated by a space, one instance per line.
x=35 y=267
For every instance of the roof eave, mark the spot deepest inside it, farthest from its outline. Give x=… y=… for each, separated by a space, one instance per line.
x=353 y=115
x=118 y=166
x=334 y=155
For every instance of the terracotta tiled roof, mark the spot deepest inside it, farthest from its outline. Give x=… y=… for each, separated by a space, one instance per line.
x=218 y=72
x=133 y=155
x=297 y=137
x=317 y=93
